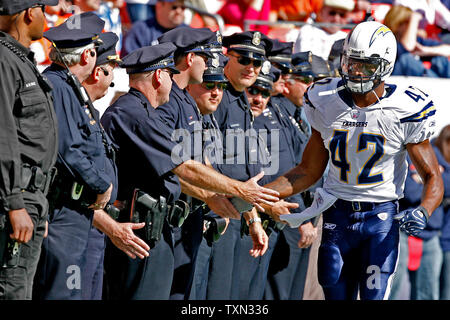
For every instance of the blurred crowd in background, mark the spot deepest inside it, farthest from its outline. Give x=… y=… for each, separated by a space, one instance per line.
x=420 y=26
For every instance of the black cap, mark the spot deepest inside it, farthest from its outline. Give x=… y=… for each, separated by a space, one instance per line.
x=10 y=7
x=334 y=58
x=214 y=70
x=252 y=44
x=106 y=51
x=77 y=31
x=281 y=55
x=265 y=78
x=308 y=64
x=275 y=73
x=187 y=39
x=159 y=56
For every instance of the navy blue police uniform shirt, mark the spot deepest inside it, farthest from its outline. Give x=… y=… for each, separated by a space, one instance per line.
x=212 y=141
x=286 y=157
x=298 y=133
x=181 y=112
x=82 y=155
x=144 y=147
x=234 y=113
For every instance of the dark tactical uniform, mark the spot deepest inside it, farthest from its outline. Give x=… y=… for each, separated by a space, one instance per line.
x=144 y=160
x=85 y=169
x=234 y=115
x=181 y=113
x=28 y=144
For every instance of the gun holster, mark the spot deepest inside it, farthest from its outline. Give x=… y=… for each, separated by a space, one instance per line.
x=215 y=226
x=145 y=208
x=112 y=211
x=178 y=212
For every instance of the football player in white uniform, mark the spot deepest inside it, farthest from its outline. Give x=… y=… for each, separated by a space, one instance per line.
x=363 y=129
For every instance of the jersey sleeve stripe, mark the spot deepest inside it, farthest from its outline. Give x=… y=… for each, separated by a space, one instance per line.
x=428 y=111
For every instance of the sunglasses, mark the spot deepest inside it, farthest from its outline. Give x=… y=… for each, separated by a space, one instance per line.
x=175 y=7
x=254 y=91
x=246 y=61
x=213 y=85
x=42 y=6
x=334 y=13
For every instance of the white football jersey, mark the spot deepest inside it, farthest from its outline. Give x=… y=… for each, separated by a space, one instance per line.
x=367 y=146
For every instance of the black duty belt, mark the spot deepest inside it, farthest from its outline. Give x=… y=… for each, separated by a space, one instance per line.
x=34 y=179
x=356 y=206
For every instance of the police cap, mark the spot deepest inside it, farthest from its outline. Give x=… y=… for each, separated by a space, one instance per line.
x=9 y=7
x=77 y=31
x=214 y=69
x=266 y=76
x=281 y=54
x=308 y=64
x=159 y=56
x=198 y=40
x=106 y=51
x=252 y=44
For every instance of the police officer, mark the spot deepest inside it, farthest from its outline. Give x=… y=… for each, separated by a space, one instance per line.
x=121 y=234
x=144 y=140
x=85 y=166
x=246 y=52
x=208 y=96
x=281 y=58
x=182 y=113
x=28 y=143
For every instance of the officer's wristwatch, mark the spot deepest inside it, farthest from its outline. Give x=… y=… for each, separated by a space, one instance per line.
x=253 y=220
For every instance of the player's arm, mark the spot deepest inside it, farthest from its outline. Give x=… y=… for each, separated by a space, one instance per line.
x=305 y=174
x=424 y=159
x=300 y=178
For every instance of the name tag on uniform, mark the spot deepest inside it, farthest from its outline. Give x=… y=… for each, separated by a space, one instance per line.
x=234 y=125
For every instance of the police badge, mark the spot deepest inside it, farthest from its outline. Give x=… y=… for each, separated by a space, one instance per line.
x=256 y=38
x=219 y=37
x=266 y=67
x=215 y=61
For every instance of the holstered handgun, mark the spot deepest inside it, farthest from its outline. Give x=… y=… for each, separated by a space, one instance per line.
x=145 y=208
x=178 y=212
x=215 y=225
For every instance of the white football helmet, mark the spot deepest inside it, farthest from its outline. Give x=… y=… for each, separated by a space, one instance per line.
x=368 y=56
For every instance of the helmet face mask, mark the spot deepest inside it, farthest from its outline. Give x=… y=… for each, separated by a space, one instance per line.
x=362 y=75
x=368 y=57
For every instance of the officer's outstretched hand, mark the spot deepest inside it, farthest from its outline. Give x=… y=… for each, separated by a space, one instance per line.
x=102 y=199
x=124 y=238
x=22 y=225
x=259 y=238
x=413 y=221
x=222 y=206
x=253 y=193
